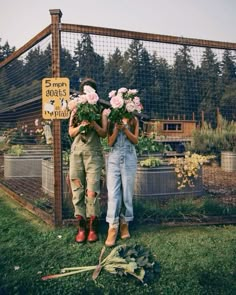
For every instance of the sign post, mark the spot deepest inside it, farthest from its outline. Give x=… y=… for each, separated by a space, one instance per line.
x=55 y=98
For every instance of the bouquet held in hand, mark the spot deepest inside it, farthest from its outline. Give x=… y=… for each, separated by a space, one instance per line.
x=124 y=104
x=85 y=107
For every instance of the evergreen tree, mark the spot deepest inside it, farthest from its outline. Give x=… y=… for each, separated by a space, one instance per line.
x=114 y=76
x=183 y=87
x=89 y=63
x=68 y=68
x=137 y=68
x=131 y=65
x=161 y=74
x=228 y=68
x=210 y=85
x=5 y=50
x=228 y=102
x=36 y=65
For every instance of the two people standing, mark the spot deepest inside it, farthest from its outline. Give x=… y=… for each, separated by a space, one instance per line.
x=86 y=163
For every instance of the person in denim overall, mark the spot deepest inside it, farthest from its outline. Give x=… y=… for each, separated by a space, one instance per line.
x=121 y=170
x=86 y=164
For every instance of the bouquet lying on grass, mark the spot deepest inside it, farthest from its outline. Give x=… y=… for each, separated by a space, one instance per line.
x=85 y=107
x=122 y=260
x=124 y=104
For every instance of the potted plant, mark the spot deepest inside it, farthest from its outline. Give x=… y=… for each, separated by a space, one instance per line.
x=228 y=152
x=158 y=177
x=148 y=146
x=188 y=168
x=220 y=141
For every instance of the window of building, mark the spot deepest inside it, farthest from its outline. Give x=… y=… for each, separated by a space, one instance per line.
x=172 y=127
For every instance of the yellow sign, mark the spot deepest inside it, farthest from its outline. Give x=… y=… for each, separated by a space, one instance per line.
x=55 y=98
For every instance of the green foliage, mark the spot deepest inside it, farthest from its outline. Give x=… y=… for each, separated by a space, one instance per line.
x=151 y=162
x=122 y=260
x=147 y=145
x=184 y=208
x=105 y=145
x=16 y=150
x=208 y=140
x=167 y=88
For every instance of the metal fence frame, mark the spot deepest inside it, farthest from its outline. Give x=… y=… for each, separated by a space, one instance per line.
x=55 y=29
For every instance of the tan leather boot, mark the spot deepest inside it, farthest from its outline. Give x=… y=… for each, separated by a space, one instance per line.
x=124 y=230
x=111 y=237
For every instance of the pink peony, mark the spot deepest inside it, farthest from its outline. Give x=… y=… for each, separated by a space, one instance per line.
x=72 y=104
x=132 y=91
x=139 y=108
x=83 y=99
x=130 y=107
x=122 y=90
x=112 y=93
x=117 y=102
x=92 y=98
x=88 y=89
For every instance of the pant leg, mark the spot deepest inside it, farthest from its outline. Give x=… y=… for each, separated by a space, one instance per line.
x=113 y=179
x=94 y=162
x=128 y=172
x=78 y=192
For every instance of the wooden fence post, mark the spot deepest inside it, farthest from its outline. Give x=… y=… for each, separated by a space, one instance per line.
x=57 y=149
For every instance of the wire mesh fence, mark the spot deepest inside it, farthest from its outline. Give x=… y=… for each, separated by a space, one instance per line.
x=187 y=88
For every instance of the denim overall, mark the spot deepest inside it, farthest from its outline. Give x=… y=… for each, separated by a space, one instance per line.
x=121 y=171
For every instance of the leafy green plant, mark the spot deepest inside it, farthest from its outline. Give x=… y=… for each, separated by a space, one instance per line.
x=148 y=145
x=122 y=260
x=151 y=162
x=105 y=145
x=16 y=150
x=208 y=140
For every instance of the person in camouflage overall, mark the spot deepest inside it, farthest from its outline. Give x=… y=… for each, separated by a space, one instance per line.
x=86 y=163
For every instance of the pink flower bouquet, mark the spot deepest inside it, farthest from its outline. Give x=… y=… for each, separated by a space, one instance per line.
x=86 y=108
x=124 y=104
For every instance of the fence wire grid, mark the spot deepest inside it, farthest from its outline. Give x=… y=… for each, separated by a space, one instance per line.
x=188 y=91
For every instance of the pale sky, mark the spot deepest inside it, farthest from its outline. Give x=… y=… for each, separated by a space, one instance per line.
x=21 y=20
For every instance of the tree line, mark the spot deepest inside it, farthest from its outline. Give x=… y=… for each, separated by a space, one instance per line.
x=166 y=90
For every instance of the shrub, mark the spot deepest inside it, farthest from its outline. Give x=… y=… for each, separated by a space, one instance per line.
x=208 y=140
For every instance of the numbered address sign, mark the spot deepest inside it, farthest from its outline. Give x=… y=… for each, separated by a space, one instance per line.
x=55 y=98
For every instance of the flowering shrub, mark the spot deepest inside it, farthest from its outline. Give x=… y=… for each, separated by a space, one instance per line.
x=187 y=168
x=124 y=104
x=20 y=135
x=85 y=107
x=43 y=131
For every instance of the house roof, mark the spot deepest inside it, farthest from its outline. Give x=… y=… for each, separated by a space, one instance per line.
x=14 y=112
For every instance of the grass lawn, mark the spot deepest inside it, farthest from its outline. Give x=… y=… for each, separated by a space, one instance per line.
x=194 y=260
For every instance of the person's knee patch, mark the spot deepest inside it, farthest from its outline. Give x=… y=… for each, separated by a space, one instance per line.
x=76 y=183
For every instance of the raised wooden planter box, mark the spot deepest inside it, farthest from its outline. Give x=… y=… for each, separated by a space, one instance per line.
x=48 y=177
x=29 y=164
x=48 y=185
x=161 y=181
